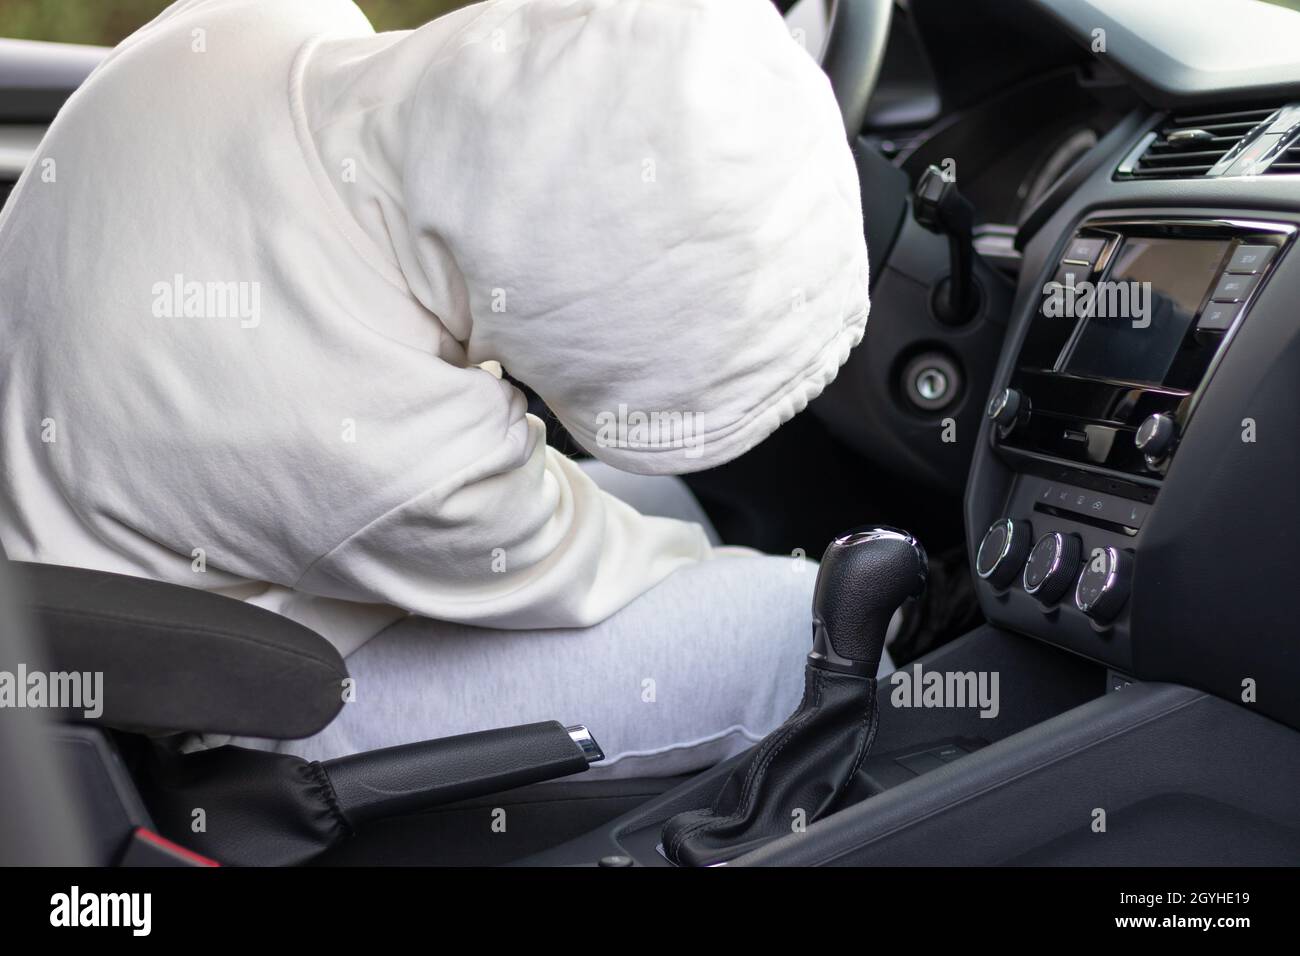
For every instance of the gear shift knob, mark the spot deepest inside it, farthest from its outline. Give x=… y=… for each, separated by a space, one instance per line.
x=865 y=576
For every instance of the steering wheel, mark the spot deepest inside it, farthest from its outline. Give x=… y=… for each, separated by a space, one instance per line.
x=853 y=54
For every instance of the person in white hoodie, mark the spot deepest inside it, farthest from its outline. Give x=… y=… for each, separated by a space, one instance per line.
x=258 y=286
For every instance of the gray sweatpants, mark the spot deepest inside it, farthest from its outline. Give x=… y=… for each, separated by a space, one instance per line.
x=692 y=672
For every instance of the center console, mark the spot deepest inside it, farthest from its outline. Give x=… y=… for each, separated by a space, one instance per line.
x=1135 y=316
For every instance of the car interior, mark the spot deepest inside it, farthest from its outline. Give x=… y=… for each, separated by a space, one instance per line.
x=1078 y=395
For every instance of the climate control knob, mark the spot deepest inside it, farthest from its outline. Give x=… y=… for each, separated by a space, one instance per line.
x=1103 y=586
x=1003 y=551
x=1052 y=566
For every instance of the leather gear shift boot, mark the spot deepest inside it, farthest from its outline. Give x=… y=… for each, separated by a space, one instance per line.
x=798 y=773
x=794 y=776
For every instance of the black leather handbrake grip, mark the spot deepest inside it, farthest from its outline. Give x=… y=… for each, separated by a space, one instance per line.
x=383 y=783
x=278 y=809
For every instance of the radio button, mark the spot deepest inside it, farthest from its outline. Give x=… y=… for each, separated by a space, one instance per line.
x=1087 y=251
x=1234 y=288
x=1155 y=437
x=1074 y=293
x=1007 y=409
x=1072 y=275
x=1096 y=504
x=1219 y=316
x=1251 y=260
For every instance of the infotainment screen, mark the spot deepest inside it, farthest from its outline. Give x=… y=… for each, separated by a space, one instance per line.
x=1141 y=312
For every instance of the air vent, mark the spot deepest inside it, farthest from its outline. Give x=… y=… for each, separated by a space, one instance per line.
x=1287 y=162
x=1190 y=144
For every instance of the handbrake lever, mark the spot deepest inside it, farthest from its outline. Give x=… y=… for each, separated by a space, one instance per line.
x=395 y=780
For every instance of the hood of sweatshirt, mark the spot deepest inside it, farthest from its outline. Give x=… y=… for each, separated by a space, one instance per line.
x=645 y=210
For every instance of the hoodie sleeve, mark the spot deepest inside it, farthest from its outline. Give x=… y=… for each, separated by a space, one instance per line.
x=524 y=539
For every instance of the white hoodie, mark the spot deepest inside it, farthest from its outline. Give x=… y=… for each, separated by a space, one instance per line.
x=248 y=283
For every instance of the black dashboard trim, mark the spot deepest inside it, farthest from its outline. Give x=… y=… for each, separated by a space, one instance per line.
x=1178 y=624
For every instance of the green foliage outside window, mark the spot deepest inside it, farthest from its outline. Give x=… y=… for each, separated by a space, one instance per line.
x=105 y=22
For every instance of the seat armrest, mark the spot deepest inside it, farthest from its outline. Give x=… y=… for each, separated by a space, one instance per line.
x=176 y=659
